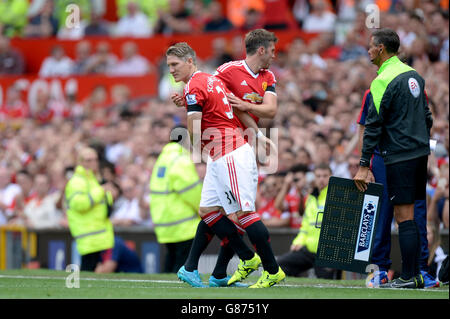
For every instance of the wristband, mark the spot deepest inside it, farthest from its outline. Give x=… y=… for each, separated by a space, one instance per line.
x=364 y=163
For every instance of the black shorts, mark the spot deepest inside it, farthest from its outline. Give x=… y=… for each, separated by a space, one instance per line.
x=407 y=181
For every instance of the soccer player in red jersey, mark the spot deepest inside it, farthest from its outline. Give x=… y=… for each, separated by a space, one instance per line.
x=231 y=175
x=253 y=91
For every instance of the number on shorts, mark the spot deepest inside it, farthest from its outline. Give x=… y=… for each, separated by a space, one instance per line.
x=230 y=194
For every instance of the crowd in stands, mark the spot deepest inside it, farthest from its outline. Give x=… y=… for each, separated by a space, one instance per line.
x=320 y=86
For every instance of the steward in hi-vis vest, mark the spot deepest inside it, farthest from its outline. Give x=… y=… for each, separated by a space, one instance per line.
x=87 y=211
x=175 y=190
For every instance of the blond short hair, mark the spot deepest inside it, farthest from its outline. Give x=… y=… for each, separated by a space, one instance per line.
x=183 y=51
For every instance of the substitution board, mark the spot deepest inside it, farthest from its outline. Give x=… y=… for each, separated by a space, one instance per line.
x=348 y=225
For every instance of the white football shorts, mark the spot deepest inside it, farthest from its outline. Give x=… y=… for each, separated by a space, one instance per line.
x=231 y=181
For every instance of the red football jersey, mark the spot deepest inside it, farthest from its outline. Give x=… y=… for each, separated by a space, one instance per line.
x=245 y=84
x=219 y=128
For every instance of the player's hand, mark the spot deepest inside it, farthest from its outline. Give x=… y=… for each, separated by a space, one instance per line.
x=289 y=178
x=177 y=99
x=270 y=146
x=370 y=177
x=296 y=247
x=237 y=103
x=362 y=178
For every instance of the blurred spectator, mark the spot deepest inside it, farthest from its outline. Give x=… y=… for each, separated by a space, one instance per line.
x=13 y=17
x=8 y=193
x=292 y=194
x=57 y=64
x=102 y=61
x=438 y=206
x=44 y=24
x=175 y=20
x=253 y=20
x=300 y=10
x=82 y=56
x=11 y=60
x=126 y=210
x=237 y=10
x=14 y=107
x=118 y=147
x=220 y=55
x=271 y=216
x=25 y=180
x=351 y=49
x=97 y=26
x=198 y=16
x=320 y=19
x=132 y=63
x=41 y=110
x=41 y=211
x=353 y=165
x=277 y=15
x=217 y=21
x=134 y=24
x=149 y=8
x=303 y=250
x=323 y=153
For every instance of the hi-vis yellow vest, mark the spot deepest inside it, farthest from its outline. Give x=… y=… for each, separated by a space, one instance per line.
x=87 y=212
x=309 y=234
x=175 y=190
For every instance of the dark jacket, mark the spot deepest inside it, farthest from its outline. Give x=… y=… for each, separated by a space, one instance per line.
x=399 y=119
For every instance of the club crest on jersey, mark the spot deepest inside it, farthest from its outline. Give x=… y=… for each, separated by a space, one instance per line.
x=253 y=97
x=264 y=86
x=190 y=99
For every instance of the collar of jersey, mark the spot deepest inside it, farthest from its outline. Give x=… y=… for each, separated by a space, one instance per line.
x=249 y=70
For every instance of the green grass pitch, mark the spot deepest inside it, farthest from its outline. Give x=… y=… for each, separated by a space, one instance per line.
x=50 y=284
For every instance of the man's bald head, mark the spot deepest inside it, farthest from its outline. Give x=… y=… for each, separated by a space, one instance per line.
x=88 y=158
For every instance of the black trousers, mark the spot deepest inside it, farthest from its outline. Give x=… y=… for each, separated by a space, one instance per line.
x=294 y=263
x=89 y=261
x=176 y=255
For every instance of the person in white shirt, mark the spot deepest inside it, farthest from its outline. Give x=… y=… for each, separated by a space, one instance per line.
x=8 y=193
x=127 y=210
x=41 y=211
x=319 y=19
x=134 y=24
x=57 y=64
x=132 y=64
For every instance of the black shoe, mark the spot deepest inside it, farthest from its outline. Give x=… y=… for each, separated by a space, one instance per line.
x=413 y=283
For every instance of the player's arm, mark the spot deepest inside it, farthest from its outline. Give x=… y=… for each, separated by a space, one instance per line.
x=248 y=121
x=267 y=109
x=194 y=119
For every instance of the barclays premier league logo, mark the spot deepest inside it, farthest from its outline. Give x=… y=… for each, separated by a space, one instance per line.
x=366 y=227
